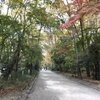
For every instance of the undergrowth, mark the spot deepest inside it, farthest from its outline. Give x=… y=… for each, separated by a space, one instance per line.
x=18 y=82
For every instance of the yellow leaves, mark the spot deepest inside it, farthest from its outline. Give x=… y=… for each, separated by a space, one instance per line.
x=17 y=1
x=59 y=4
x=62 y=9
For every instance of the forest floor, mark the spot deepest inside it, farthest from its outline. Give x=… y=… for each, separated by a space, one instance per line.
x=14 y=92
x=15 y=89
x=85 y=78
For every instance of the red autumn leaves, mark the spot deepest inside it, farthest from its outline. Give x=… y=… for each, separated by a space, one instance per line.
x=71 y=21
x=83 y=8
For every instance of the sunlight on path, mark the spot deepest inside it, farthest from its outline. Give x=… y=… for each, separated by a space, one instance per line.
x=51 y=86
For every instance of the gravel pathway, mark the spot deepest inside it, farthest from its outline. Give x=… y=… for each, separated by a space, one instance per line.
x=52 y=86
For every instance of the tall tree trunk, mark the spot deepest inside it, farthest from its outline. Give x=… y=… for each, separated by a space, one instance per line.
x=79 y=72
x=88 y=71
x=83 y=45
x=76 y=52
x=31 y=68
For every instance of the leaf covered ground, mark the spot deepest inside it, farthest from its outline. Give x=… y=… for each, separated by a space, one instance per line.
x=85 y=78
x=20 y=84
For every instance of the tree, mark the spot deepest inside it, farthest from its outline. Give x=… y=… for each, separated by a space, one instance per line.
x=80 y=18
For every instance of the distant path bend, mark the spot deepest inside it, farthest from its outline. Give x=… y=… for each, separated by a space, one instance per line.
x=52 y=86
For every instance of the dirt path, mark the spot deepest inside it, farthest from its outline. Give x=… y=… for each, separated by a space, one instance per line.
x=52 y=86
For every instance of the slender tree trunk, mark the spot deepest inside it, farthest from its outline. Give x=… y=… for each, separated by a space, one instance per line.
x=79 y=72
x=83 y=45
x=31 y=68
x=16 y=55
x=81 y=25
x=88 y=71
x=76 y=52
